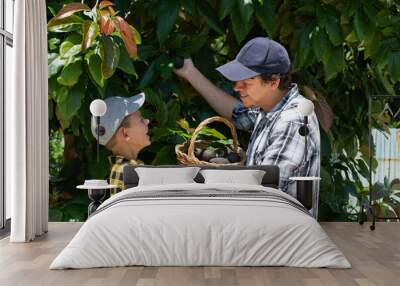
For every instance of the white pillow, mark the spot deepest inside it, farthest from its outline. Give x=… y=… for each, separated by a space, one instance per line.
x=163 y=176
x=249 y=177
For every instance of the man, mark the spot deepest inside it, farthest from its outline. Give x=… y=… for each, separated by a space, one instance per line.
x=125 y=134
x=267 y=108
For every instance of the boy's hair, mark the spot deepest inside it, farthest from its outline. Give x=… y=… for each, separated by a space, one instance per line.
x=124 y=123
x=285 y=79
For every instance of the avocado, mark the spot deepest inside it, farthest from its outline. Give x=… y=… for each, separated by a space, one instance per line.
x=219 y=160
x=234 y=157
x=221 y=152
x=197 y=152
x=208 y=154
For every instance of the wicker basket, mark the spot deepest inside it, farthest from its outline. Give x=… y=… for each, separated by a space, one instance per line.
x=190 y=158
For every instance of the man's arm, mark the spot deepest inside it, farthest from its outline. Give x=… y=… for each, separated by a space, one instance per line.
x=220 y=101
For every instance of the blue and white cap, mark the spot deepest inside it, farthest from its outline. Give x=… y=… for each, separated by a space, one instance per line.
x=117 y=109
x=259 y=55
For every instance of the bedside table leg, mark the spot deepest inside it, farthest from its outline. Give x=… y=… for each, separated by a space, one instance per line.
x=96 y=196
x=304 y=193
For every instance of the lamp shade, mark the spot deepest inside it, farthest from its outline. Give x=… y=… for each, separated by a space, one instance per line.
x=98 y=107
x=305 y=107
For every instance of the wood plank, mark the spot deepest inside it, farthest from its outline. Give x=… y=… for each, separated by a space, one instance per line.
x=374 y=255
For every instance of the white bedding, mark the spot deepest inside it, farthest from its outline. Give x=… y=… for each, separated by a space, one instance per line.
x=189 y=230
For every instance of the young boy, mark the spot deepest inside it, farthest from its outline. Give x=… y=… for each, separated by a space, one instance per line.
x=123 y=131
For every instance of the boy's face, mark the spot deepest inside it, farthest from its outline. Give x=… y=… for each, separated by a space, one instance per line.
x=254 y=91
x=136 y=131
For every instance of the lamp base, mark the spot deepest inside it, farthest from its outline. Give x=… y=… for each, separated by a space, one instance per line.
x=97 y=197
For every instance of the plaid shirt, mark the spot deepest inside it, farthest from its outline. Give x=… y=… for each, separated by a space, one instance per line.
x=117 y=167
x=275 y=140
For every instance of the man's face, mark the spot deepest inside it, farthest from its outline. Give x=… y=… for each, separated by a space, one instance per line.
x=136 y=132
x=254 y=91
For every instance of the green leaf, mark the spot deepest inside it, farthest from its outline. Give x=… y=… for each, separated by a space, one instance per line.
x=159 y=132
x=386 y=45
x=394 y=66
x=166 y=18
x=303 y=47
x=75 y=211
x=351 y=37
x=320 y=43
x=389 y=31
x=53 y=43
x=174 y=111
x=372 y=41
x=185 y=136
x=125 y=62
x=150 y=74
x=61 y=94
x=75 y=38
x=68 y=49
x=70 y=74
x=94 y=65
x=208 y=14
x=212 y=132
x=166 y=156
x=90 y=32
x=183 y=123
x=51 y=9
x=55 y=214
x=240 y=28
x=326 y=146
x=371 y=11
x=53 y=86
x=165 y=70
x=55 y=63
x=189 y=6
x=196 y=42
x=71 y=46
x=225 y=8
x=383 y=18
x=72 y=23
x=136 y=36
x=67 y=109
x=161 y=113
x=246 y=10
x=70 y=9
x=335 y=64
x=226 y=142
x=110 y=56
x=265 y=13
x=360 y=26
x=333 y=30
x=147 y=52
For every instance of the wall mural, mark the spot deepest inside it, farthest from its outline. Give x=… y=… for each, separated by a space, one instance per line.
x=341 y=52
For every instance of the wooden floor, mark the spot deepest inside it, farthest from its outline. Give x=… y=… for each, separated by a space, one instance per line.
x=374 y=255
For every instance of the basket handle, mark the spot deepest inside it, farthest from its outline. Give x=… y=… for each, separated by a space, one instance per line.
x=204 y=123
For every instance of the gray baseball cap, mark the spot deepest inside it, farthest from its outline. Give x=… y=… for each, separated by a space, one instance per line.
x=117 y=109
x=259 y=55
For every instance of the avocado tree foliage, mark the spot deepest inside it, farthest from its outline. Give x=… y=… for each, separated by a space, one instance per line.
x=341 y=51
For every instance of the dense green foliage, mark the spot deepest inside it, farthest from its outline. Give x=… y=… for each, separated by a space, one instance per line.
x=341 y=51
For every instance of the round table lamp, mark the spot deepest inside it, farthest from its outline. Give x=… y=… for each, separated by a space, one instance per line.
x=98 y=108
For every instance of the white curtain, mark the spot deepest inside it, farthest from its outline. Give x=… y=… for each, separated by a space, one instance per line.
x=27 y=124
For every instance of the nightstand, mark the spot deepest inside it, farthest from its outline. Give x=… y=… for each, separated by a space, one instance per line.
x=97 y=190
x=304 y=190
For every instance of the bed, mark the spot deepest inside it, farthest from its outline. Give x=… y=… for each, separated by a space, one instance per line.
x=201 y=224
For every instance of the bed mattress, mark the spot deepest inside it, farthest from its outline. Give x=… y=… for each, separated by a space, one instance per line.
x=201 y=225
